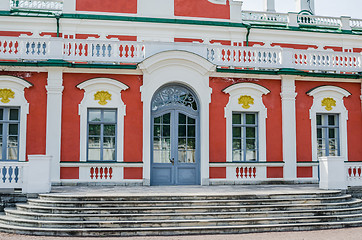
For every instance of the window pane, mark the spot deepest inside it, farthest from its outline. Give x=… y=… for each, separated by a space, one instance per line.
x=319 y=119
x=94 y=129
x=14 y=114
x=94 y=154
x=13 y=129
x=156 y=143
x=94 y=142
x=237 y=155
x=13 y=141
x=182 y=130
x=94 y=115
x=109 y=116
x=109 y=154
x=181 y=156
x=182 y=143
x=250 y=132
x=166 y=130
x=109 y=142
x=182 y=118
x=157 y=120
x=166 y=119
x=236 y=118
x=191 y=131
x=237 y=144
x=250 y=155
x=191 y=143
x=319 y=133
x=321 y=144
x=250 y=144
x=332 y=133
x=166 y=143
x=109 y=130
x=1 y=129
x=1 y=114
x=161 y=156
x=236 y=132
x=250 y=118
x=332 y=120
x=157 y=130
x=1 y=148
x=12 y=154
x=190 y=120
x=190 y=156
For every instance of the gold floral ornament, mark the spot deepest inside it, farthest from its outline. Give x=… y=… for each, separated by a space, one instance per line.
x=246 y=101
x=328 y=103
x=102 y=96
x=5 y=94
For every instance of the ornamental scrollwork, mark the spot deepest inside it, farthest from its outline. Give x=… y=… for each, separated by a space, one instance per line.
x=5 y=94
x=246 y=101
x=102 y=97
x=174 y=95
x=328 y=103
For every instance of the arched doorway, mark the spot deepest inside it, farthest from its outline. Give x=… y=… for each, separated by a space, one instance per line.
x=175 y=154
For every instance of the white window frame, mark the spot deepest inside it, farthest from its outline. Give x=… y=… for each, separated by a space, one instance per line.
x=337 y=94
x=256 y=92
x=17 y=85
x=91 y=87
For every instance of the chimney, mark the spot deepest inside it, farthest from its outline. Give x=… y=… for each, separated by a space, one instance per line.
x=269 y=5
x=305 y=5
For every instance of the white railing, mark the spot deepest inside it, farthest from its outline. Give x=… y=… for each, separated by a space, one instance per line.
x=265 y=17
x=37 y=5
x=353 y=171
x=295 y=20
x=100 y=172
x=312 y=20
x=114 y=51
x=11 y=175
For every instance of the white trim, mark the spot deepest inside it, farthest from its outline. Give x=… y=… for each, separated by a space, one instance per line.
x=337 y=94
x=114 y=87
x=17 y=85
x=184 y=68
x=289 y=127
x=256 y=92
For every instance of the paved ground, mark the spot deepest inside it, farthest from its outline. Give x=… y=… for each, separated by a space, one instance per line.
x=337 y=234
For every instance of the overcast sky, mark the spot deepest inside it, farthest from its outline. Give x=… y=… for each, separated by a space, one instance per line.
x=336 y=8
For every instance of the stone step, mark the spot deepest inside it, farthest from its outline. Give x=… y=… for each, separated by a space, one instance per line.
x=193 y=196
x=106 y=203
x=171 y=231
x=175 y=223
x=178 y=209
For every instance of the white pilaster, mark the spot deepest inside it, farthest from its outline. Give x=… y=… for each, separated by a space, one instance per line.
x=4 y=5
x=69 y=6
x=235 y=10
x=269 y=5
x=288 y=95
x=54 y=120
x=155 y=8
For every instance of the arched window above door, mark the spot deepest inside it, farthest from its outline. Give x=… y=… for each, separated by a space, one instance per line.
x=174 y=96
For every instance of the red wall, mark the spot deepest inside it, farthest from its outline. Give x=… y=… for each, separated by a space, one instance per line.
x=116 y=6
x=218 y=122
x=201 y=8
x=354 y=127
x=36 y=119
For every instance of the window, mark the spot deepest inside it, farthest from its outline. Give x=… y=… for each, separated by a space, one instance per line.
x=244 y=135
x=102 y=125
x=328 y=135
x=9 y=133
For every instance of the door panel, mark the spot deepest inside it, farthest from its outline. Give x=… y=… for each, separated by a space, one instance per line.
x=175 y=158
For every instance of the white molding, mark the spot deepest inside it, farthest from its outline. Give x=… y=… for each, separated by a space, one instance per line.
x=17 y=85
x=184 y=68
x=221 y=2
x=114 y=87
x=337 y=94
x=289 y=131
x=256 y=92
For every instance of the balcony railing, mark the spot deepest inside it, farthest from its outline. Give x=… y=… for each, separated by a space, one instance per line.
x=37 y=5
x=115 y=51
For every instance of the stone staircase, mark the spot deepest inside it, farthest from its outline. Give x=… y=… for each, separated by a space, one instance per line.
x=96 y=215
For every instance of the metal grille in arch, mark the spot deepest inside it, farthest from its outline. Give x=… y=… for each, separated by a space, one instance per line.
x=174 y=95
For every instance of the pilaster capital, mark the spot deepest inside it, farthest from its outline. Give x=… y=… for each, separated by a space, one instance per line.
x=288 y=88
